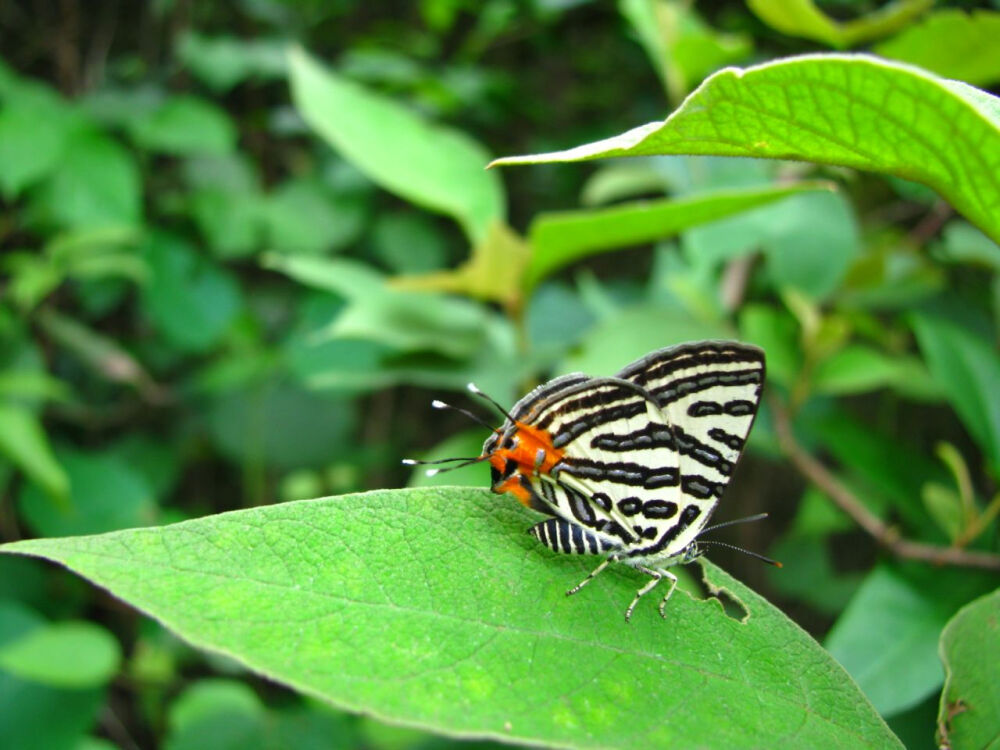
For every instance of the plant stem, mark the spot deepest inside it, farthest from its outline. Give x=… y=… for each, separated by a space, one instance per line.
x=886 y=535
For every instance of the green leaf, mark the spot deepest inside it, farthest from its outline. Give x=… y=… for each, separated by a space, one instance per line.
x=848 y=110
x=281 y=425
x=313 y=594
x=967 y=367
x=24 y=443
x=96 y=183
x=186 y=126
x=35 y=125
x=408 y=242
x=105 y=494
x=858 y=368
x=493 y=271
x=633 y=333
x=887 y=637
x=970 y=702
x=681 y=46
x=406 y=321
x=802 y=18
x=434 y=167
x=951 y=43
x=301 y=216
x=36 y=716
x=558 y=239
x=190 y=299
x=221 y=62
x=63 y=655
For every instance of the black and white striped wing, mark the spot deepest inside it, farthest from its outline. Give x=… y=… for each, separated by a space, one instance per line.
x=619 y=472
x=708 y=392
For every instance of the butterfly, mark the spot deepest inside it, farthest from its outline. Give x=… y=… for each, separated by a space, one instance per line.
x=630 y=467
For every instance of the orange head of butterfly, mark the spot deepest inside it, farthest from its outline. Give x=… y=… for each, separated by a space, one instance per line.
x=517 y=451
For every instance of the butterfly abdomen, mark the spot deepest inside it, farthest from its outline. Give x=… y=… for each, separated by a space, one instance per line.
x=570 y=539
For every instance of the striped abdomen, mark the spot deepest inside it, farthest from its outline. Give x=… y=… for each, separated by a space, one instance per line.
x=561 y=536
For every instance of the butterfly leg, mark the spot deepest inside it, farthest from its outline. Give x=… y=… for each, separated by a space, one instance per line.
x=610 y=559
x=673 y=585
x=656 y=576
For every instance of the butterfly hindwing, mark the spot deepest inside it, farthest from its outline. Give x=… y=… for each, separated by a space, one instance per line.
x=617 y=460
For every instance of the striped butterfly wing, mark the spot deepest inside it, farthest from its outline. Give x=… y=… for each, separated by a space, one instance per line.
x=709 y=393
x=618 y=471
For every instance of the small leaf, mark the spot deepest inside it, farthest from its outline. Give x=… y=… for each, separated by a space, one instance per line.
x=970 y=702
x=951 y=43
x=96 y=183
x=849 y=110
x=967 y=368
x=221 y=62
x=681 y=46
x=802 y=18
x=313 y=594
x=105 y=494
x=858 y=368
x=186 y=126
x=558 y=239
x=24 y=443
x=190 y=298
x=63 y=655
x=432 y=166
x=27 y=719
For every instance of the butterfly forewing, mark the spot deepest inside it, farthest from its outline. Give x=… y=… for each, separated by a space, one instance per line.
x=709 y=393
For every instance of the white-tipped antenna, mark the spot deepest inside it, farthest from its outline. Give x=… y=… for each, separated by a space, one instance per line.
x=432 y=472
x=474 y=389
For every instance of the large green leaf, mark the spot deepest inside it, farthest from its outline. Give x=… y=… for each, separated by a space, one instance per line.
x=850 y=110
x=431 y=607
x=970 y=650
x=558 y=239
x=429 y=165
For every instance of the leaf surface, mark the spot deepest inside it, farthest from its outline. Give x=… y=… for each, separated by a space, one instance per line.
x=970 y=651
x=850 y=110
x=431 y=607
x=558 y=239
x=432 y=166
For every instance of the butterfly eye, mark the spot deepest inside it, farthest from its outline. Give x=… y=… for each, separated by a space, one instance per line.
x=509 y=442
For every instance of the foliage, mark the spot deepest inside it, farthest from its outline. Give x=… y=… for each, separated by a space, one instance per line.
x=236 y=269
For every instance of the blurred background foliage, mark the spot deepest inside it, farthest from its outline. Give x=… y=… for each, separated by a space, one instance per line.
x=245 y=244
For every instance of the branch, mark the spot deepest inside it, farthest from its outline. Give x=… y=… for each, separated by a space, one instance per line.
x=888 y=536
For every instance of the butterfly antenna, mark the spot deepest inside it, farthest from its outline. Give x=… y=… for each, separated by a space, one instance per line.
x=748 y=519
x=474 y=389
x=434 y=472
x=442 y=405
x=768 y=560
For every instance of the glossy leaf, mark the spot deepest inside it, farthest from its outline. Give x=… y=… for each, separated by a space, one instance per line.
x=558 y=239
x=804 y=19
x=853 y=111
x=344 y=597
x=434 y=167
x=951 y=43
x=970 y=651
